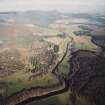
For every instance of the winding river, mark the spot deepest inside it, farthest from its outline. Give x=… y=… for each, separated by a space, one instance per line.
x=36 y=93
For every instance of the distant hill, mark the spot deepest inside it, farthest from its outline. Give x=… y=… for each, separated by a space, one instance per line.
x=42 y=18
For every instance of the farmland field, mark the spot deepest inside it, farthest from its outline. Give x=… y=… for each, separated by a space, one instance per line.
x=37 y=54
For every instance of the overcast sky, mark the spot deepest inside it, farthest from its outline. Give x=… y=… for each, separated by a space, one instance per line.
x=61 y=5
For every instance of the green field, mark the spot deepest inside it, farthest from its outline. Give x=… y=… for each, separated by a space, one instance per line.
x=19 y=81
x=86 y=46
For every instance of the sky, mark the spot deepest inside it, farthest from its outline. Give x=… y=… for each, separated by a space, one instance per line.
x=60 y=5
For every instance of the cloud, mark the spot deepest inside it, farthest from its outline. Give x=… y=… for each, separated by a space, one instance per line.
x=61 y=5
